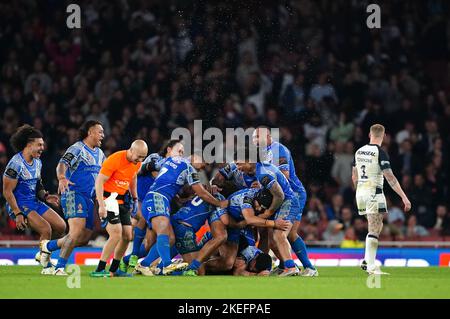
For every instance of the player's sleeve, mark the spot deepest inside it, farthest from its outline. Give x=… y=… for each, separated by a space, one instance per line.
x=283 y=159
x=192 y=175
x=247 y=202
x=151 y=164
x=12 y=170
x=228 y=171
x=353 y=161
x=383 y=160
x=109 y=165
x=71 y=155
x=266 y=180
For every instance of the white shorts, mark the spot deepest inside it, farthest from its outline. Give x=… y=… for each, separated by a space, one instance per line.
x=371 y=202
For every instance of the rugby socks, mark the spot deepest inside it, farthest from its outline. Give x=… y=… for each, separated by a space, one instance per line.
x=299 y=248
x=163 y=246
x=114 y=265
x=195 y=265
x=101 y=266
x=281 y=265
x=52 y=245
x=61 y=263
x=142 y=252
x=289 y=263
x=151 y=256
x=371 y=249
x=138 y=237
x=173 y=251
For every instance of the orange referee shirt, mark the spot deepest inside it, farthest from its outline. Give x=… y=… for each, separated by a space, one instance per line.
x=120 y=172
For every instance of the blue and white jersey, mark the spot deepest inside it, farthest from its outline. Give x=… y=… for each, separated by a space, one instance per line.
x=231 y=173
x=249 y=253
x=267 y=174
x=27 y=177
x=175 y=172
x=145 y=179
x=279 y=155
x=240 y=200
x=197 y=211
x=84 y=164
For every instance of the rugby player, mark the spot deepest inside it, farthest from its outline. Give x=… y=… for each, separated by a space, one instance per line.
x=117 y=176
x=370 y=166
x=186 y=222
x=25 y=194
x=173 y=175
x=146 y=176
x=279 y=155
x=76 y=173
x=244 y=206
x=284 y=206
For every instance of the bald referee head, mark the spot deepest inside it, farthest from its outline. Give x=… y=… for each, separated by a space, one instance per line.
x=137 y=151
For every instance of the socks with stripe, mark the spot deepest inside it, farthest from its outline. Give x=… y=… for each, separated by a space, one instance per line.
x=371 y=249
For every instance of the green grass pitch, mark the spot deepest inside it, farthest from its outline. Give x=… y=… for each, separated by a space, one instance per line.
x=334 y=282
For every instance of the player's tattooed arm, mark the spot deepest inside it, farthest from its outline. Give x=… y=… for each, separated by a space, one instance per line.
x=9 y=185
x=63 y=182
x=207 y=197
x=395 y=185
x=278 y=198
x=354 y=177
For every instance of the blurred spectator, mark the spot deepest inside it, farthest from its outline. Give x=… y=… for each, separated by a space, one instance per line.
x=334 y=232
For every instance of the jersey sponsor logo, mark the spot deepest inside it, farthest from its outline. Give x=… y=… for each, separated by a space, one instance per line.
x=122 y=184
x=10 y=172
x=369 y=153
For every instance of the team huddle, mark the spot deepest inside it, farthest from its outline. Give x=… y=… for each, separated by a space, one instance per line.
x=157 y=202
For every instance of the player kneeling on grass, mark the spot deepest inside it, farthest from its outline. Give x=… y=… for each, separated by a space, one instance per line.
x=117 y=177
x=173 y=175
x=370 y=166
x=284 y=206
x=23 y=190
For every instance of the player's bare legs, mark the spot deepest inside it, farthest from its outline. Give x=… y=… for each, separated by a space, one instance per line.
x=123 y=242
x=56 y=222
x=284 y=248
x=228 y=252
x=115 y=235
x=375 y=225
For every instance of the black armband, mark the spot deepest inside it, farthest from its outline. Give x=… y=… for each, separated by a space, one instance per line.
x=41 y=193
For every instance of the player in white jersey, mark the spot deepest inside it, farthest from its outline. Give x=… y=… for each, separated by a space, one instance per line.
x=370 y=166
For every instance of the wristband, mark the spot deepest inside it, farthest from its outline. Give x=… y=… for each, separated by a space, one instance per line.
x=20 y=213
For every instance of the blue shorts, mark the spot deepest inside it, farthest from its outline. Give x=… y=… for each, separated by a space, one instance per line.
x=215 y=215
x=289 y=210
x=185 y=238
x=77 y=205
x=154 y=205
x=27 y=207
x=301 y=197
x=143 y=185
x=234 y=235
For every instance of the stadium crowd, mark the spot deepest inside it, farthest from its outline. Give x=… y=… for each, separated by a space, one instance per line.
x=311 y=68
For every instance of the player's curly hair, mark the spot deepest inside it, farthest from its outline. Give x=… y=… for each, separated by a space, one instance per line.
x=163 y=152
x=24 y=135
x=84 y=129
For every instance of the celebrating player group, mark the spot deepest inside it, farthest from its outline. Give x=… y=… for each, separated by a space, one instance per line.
x=157 y=202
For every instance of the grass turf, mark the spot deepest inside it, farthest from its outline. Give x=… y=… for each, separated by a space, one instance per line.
x=334 y=282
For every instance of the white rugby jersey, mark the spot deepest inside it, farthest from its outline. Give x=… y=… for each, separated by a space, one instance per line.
x=370 y=160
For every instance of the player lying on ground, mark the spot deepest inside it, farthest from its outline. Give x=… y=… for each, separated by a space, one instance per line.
x=239 y=256
x=280 y=156
x=370 y=166
x=23 y=190
x=173 y=175
x=117 y=176
x=146 y=176
x=76 y=173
